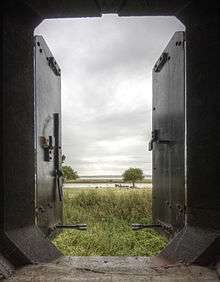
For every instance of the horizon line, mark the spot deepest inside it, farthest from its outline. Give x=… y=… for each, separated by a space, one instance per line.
x=107 y=175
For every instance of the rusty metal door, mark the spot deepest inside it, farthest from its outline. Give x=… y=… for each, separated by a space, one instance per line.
x=168 y=136
x=47 y=76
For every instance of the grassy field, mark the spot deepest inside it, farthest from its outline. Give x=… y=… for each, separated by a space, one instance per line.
x=109 y=214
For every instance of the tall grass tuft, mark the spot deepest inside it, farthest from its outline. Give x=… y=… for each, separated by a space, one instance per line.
x=109 y=214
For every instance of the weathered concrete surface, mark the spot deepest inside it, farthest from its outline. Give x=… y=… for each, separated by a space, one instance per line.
x=112 y=269
x=218 y=269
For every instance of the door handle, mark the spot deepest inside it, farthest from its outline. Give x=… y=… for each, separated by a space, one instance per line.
x=58 y=175
x=58 y=161
x=155 y=138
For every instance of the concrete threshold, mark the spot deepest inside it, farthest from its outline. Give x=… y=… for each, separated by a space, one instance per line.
x=113 y=269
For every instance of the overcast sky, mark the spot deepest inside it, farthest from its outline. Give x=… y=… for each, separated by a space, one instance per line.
x=106 y=68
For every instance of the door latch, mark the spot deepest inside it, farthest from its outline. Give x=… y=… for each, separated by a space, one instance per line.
x=138 y=226
x=59 y=177
x=79 y=226
x=155 y=138
x=48 y=146
x=57 y=156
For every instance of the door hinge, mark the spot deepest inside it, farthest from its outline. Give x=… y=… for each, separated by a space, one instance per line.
x=161 y=62
x=155 y=138
x=53 y=65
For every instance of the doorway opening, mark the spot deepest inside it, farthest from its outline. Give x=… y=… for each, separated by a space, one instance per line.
x=106 y=69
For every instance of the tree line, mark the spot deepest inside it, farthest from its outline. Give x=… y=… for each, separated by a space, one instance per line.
x=129 y=175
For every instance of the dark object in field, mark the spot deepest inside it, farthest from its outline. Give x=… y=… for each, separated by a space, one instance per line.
x=138 y=226
x=122 y=186
x=80 y=226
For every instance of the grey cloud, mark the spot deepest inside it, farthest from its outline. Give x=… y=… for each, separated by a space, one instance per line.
x=106 y=70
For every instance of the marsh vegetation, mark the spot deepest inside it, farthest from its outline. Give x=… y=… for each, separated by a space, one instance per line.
x=109 y=214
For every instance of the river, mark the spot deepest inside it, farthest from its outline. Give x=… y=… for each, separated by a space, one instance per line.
x=105 y=185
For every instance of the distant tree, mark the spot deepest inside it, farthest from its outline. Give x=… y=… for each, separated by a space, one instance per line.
x=132 y=175
x=69 y=173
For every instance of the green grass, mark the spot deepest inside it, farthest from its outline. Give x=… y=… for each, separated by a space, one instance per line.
x=109 y=214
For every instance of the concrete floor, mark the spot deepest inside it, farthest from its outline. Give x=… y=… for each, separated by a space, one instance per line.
x=113 y=269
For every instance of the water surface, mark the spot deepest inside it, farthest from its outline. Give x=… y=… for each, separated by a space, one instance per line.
x=106 y=185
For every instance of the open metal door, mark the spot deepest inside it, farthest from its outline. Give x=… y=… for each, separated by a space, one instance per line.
x=47 y=76
x=168 y=136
